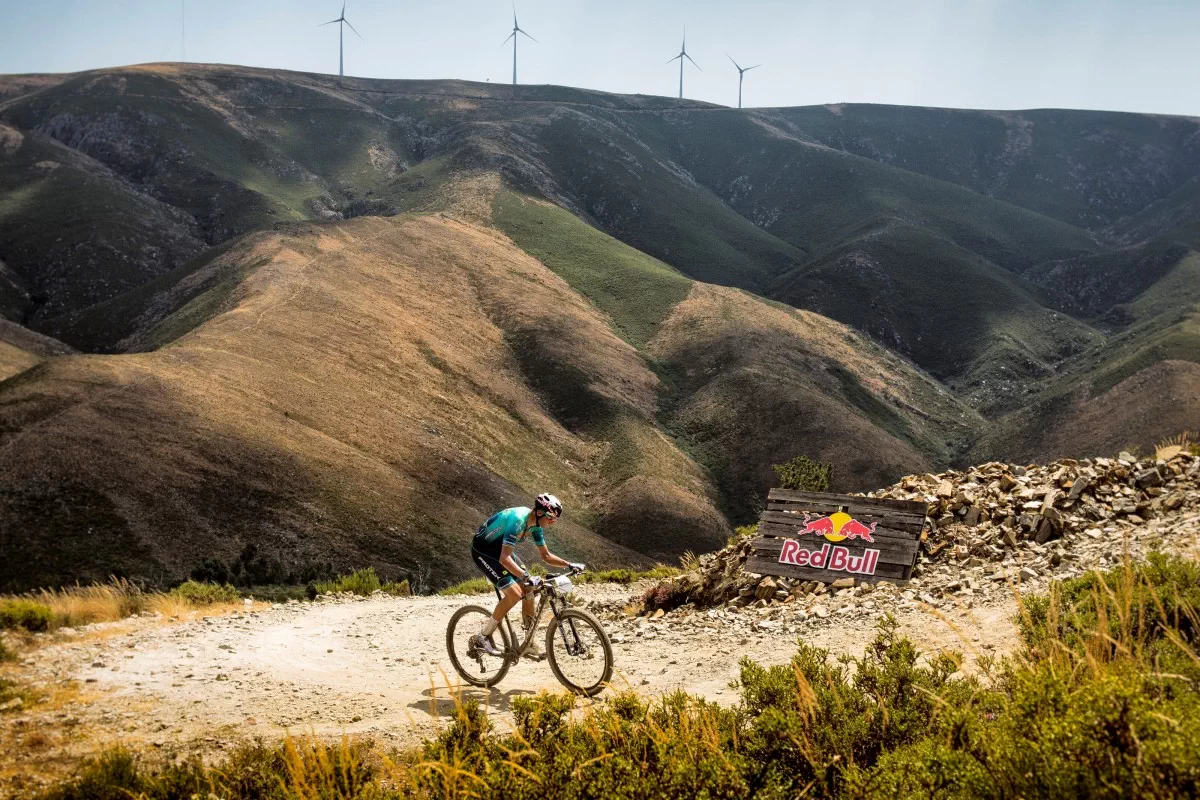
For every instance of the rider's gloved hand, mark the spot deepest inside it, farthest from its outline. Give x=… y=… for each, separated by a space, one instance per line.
x=532 y=581
x=577 y=566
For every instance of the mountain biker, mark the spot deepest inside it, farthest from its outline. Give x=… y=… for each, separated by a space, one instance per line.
x=492 y=551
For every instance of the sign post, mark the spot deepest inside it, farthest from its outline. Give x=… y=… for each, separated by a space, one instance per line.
x=823 y=537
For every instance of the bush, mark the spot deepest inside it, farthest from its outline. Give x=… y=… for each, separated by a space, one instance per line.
x=98 y=602
x=1125 y=607
x=205 y=594
x=19 y=612
x=804 y=475
x=469 y=586
x=741 y=533
x=6 y=652
x=363 y=582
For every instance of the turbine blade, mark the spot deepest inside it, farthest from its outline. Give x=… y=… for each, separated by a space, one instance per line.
x=323 y=24
x=511 y=35
x=739 y=69
x=669 y=60
x=694 y=64
x=756 y=66
x=528 y=36
x=356 y=33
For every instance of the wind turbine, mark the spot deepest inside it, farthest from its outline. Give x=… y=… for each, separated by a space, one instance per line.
x=516 y=29
x=341 y=19
x=741 y=73
x=682 y=55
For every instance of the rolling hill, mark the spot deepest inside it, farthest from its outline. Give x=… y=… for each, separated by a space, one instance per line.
x=339 y=320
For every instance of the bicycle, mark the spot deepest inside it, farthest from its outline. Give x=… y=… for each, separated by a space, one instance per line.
x=574 y=639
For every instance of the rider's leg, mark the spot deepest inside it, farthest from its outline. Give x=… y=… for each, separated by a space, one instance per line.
x=508 y=598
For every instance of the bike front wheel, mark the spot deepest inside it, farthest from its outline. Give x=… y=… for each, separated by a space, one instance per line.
x=474 y=665
x=579 y=652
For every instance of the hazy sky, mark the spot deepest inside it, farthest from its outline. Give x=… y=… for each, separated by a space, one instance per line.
x=1131 y=55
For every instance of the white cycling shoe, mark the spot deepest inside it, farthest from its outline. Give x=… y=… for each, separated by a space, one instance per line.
x=485 y=644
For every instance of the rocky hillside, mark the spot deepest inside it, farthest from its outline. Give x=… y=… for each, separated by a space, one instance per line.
x=989 y=528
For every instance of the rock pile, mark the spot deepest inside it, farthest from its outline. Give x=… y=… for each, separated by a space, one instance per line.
x=990 y=526
x=1002 y=505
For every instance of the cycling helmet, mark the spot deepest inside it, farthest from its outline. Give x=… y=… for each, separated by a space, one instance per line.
x=548 y=504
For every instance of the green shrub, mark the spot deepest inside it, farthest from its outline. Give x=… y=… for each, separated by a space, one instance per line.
x=804 y=475
x=18 y=612
x=469 y=586
x=1125 y=607
x=742 y=532
x=6 y=652
x=206 y=594
x=363 y=582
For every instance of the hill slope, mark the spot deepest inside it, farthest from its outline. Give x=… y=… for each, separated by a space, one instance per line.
x=342 y=319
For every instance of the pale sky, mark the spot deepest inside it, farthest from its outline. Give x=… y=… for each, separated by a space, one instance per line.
x=1120 y=55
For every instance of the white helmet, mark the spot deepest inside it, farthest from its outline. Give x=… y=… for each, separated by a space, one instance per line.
x=549 y=505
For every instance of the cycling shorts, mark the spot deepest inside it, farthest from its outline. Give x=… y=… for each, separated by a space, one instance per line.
x=487 y=559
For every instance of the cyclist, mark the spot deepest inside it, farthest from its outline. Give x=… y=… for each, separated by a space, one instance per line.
x=492 y=551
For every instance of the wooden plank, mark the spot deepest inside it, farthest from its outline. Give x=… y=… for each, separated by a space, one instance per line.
x=888 y=521
x=892 y=552
x=864 y=504
x=764 y=566
x=791 y=530
x=905 y=546
x=896 y=519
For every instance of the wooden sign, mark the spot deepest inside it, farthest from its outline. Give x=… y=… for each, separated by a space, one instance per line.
x=815 y=536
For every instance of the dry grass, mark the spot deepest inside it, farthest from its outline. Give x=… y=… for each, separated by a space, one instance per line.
x=1174 y=445
x=75 y=606
x=82 y=605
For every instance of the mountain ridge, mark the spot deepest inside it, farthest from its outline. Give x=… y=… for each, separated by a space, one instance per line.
x=146 y=210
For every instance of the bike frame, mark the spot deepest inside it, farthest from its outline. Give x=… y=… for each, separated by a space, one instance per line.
x=549 y=597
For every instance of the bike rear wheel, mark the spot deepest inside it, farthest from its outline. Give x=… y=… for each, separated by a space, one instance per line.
x=579 y=652
x=475 y=666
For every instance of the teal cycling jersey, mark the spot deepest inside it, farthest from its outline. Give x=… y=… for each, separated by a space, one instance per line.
x=507 y=527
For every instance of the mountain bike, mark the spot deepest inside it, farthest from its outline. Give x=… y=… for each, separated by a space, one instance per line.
x=577 y=646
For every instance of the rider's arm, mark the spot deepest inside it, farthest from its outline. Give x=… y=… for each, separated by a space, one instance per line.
x=550 y=558
x=509 y=563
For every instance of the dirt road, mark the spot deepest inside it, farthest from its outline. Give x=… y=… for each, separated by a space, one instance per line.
x=378 y=666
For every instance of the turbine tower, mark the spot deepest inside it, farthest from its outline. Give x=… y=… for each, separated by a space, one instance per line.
x=741 y=73
x=341 y=50
x=682 y=55
x=516 y=29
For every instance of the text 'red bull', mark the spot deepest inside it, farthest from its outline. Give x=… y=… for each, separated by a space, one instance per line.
x=830 y=556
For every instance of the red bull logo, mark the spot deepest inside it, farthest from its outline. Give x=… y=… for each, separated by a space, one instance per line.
x=837 y=527
x=830 y=556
